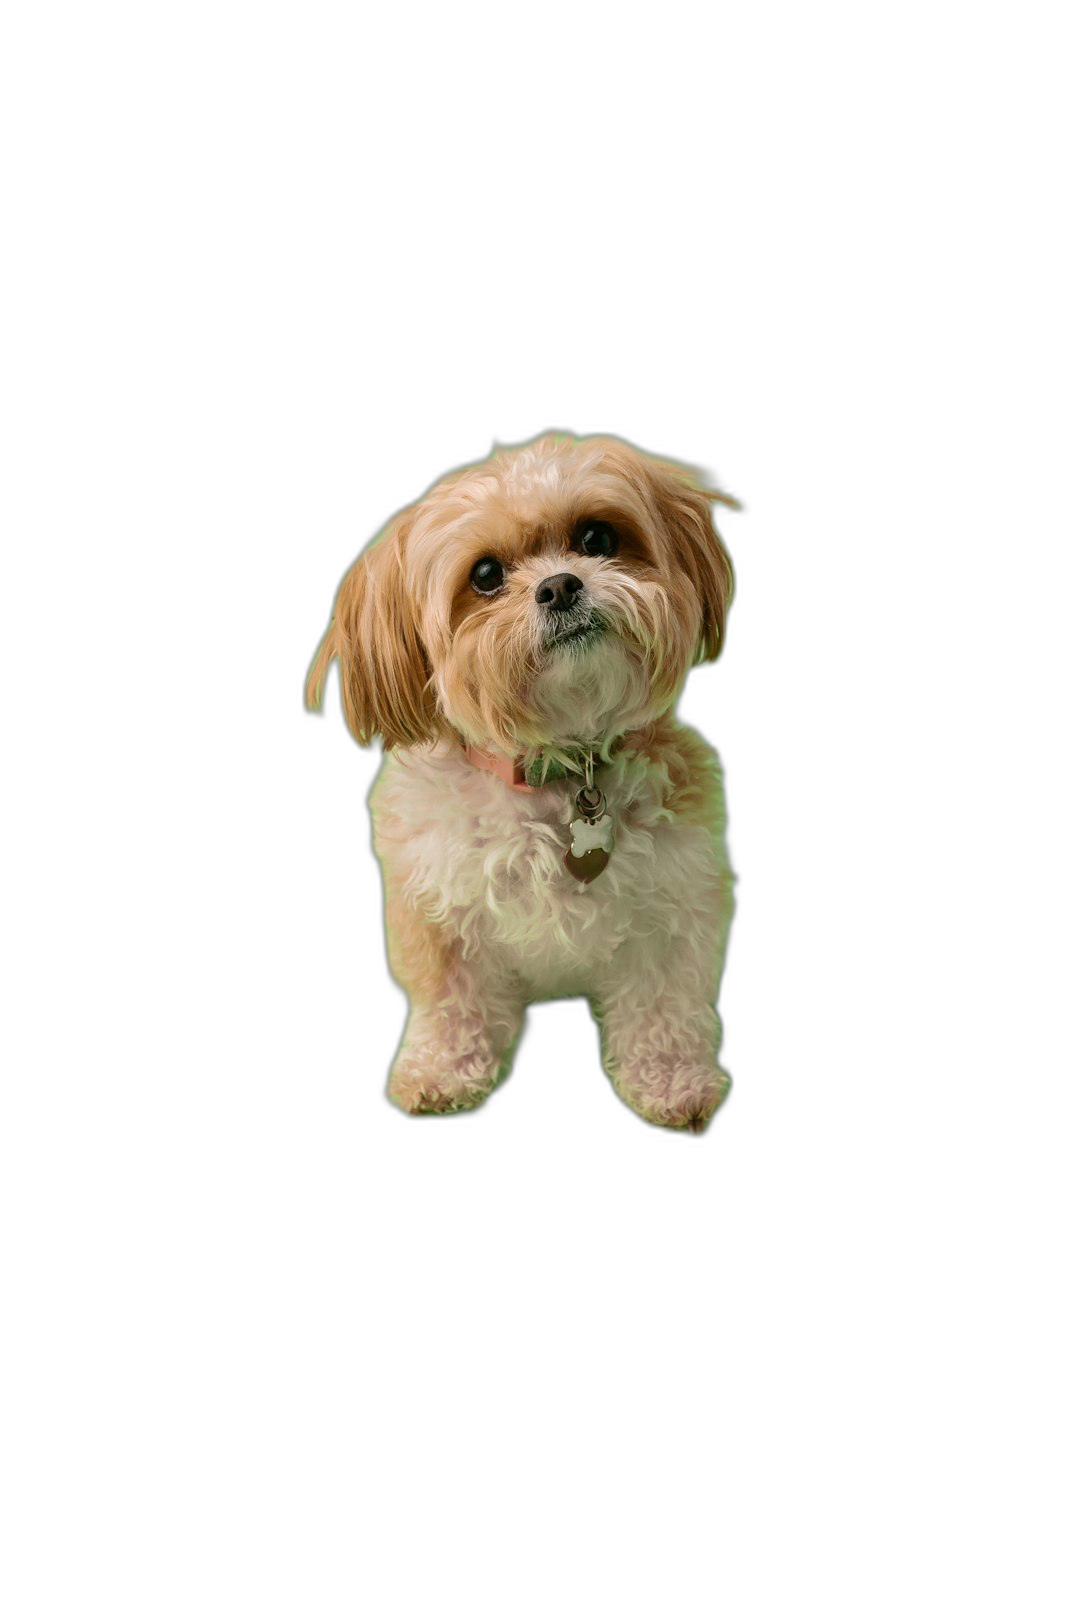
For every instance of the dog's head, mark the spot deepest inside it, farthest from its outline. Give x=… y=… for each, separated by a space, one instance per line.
x=555 y=593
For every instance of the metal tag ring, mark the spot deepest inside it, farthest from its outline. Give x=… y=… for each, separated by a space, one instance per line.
x=590 y=802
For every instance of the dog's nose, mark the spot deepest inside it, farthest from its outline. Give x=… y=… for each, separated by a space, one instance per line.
x=558 y=591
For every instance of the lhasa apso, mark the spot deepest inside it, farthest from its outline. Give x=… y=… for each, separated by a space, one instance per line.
x=546 y=827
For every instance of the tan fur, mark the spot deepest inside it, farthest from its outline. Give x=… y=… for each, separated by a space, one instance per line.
x=406 y=604
x=690 y=767
x=421 y=956
x=682 y=504
x=482 y=913
x=385 y=676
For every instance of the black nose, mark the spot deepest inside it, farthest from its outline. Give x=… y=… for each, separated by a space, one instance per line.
x=558 y=591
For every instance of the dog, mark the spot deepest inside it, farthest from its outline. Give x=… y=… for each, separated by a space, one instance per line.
x=518 y=638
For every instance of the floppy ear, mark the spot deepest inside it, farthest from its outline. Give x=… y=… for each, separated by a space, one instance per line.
x=374 y=635
x=684 y=507
x=687 y=512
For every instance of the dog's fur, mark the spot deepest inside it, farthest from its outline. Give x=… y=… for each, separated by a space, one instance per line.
x=482 y=914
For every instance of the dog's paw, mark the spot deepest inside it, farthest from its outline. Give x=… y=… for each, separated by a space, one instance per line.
x=675 y=1095
x=430 y=1095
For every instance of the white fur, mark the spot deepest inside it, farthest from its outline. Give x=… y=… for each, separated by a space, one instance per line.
x=482 y=913
x=644 y=941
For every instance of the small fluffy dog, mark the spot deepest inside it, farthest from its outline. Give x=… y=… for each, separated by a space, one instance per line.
x=546 y=827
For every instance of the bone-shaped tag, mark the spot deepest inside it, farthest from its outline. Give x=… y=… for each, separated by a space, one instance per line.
x=590 y=834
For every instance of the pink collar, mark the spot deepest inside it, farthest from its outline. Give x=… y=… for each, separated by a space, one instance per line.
x=511 y=770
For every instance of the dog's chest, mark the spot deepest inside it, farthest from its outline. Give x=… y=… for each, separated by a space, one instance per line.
x=489 y=864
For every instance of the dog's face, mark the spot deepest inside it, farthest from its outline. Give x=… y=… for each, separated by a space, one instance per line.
x=553 y=594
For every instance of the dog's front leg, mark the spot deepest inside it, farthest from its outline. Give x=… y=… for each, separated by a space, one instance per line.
x=660 y=1031
x=465 y=1014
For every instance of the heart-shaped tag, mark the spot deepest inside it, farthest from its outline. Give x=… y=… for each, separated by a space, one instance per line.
x=587 y=866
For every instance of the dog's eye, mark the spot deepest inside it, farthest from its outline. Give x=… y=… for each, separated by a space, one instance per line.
x=487 y=576
x=596 y=539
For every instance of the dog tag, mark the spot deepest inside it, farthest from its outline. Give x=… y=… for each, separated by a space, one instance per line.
x=592 y=836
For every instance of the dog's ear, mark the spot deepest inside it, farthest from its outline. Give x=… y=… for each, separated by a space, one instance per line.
x=374 y=634
x=684 y=506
